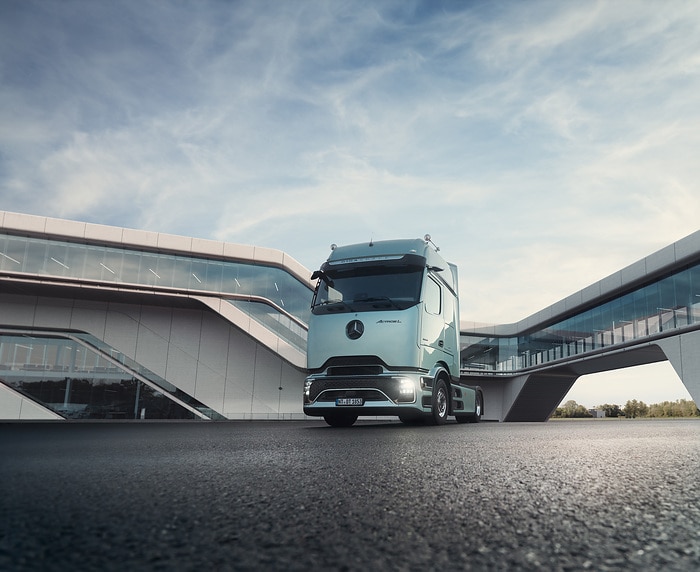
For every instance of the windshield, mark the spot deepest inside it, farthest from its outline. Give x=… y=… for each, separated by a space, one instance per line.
x=363 y=288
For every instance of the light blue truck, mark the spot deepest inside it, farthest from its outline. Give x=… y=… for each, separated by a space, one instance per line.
x=384 y=337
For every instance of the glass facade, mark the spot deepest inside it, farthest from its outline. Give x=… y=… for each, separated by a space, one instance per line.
x=79 y=377
x=282 y=302
x=666 y=304
x=292 y=331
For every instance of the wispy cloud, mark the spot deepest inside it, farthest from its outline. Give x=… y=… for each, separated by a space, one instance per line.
x=519 y=135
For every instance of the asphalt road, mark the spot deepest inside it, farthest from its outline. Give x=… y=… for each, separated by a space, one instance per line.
x=562 y=495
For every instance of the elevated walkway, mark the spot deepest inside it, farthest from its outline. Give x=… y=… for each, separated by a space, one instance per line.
x=645 y=313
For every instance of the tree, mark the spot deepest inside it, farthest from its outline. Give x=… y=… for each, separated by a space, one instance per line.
x=678 y=408
x=572 y=409
x=610 y=410
x=635 y=408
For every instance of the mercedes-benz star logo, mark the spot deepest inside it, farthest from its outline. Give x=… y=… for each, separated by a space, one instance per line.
x=354 y=329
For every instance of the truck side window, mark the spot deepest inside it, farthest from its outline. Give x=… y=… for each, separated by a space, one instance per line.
x=432 y=297
x=448 y=306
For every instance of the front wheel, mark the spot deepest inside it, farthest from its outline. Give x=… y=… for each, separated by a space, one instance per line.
x=340 y=420
x=441 y=404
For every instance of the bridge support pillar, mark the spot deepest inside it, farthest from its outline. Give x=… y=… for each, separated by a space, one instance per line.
x=683 y=351
x=535 y=396
x=527 y=397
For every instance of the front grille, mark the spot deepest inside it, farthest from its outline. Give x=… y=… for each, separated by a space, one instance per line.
x=366 y=394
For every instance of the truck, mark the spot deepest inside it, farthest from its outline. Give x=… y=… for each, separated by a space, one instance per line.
x=383 y=337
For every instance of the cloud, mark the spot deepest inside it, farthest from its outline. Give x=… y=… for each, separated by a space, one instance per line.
x=520 y=135
x=543 y=145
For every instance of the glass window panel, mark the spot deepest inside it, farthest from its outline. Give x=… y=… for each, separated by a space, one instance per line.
x=3 y=247
x=181 y=272
x=639 y=303
x=75 y=259
x=695 y=294
x=166 y=270
x=262 y=281
x=214 y=273
x=229 y=278
x=131 y=264
x=667 y=304
x=13 y=255
x=93 y=267
x=57 y=263
x=681 y=283
x=35 y=257
x=432 y=297
x=148 y=271
x=244 y=279
x=667 y=294
x=198 y=275
x=111 y=265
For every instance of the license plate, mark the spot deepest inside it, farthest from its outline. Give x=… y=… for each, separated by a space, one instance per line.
x=349 y=401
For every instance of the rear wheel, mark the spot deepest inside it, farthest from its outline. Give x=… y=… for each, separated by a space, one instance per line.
x=478 y=411
x=340 y=420
x=441 y=403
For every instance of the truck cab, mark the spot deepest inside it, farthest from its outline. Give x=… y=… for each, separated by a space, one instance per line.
x=384 y=337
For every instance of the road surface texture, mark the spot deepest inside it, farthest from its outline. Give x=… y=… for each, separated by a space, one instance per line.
x=562 y=495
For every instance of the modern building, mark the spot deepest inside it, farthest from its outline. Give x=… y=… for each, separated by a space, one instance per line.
x=645 y=313
x=114 y=323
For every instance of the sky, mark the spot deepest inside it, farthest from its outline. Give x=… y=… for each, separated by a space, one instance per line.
x=544 y=145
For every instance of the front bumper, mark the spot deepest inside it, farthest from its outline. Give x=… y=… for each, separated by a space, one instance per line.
x=379 y=395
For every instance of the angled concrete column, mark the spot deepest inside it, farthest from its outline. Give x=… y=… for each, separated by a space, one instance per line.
x=535 y=396
x=683 y=352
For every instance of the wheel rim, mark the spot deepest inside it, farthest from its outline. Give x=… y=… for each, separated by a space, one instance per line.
x=442 y=403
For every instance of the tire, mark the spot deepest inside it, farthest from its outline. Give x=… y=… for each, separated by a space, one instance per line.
x=476 y=416
x=340 y=419
x=478 y=408
x=441 y=404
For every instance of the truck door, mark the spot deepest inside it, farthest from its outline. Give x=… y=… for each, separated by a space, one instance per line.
x=448 y=316
x=432 y=334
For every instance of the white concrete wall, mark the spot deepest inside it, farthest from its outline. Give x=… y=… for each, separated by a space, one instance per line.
x=15 y=406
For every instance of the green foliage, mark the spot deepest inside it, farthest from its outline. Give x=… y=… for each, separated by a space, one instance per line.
x=678 y=408
x=632 y=409
x=572 y=409
x=611 y=410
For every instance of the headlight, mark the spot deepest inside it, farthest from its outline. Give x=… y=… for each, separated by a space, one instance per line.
x=307 y=387
x=406 y=390
x=405 y=386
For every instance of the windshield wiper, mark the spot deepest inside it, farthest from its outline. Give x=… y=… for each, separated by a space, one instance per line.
x=333 y=302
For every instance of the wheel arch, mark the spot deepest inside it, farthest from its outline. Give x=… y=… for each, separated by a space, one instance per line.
x=441 y=371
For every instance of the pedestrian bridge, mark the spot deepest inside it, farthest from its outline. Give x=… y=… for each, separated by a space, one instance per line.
x=645 y=313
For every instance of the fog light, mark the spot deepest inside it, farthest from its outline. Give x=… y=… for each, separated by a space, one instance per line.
x=307 y=388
